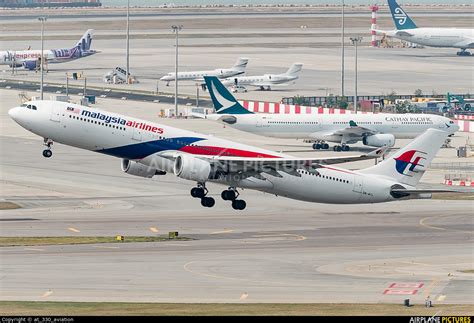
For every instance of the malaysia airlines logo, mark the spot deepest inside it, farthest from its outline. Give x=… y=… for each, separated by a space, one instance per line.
x=409 y=162
x=400 y=15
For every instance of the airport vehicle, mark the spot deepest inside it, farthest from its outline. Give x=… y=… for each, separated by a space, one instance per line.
x=237 y=69
x=376 y=130
x=266 y=81
x=433 y=37
x=31 y=59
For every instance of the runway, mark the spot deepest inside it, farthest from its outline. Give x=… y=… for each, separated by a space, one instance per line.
x=277 y=250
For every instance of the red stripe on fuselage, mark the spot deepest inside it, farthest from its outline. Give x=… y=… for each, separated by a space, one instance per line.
x=337 y=170
x=219 y=151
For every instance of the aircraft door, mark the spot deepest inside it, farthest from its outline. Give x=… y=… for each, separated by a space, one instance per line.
x=55 y=113
x=137 y=134
x=357 y=184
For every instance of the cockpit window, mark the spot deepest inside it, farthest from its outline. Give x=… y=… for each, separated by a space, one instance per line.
x=31 y=107
x=451 y=121
x=24 y=105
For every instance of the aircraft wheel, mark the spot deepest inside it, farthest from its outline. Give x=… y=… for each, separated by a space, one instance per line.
x=208 y=202
x=325 y=146
x=47 y=153
x=197 y=192
x=239 y=204
x=346 y=148
x=338 y=148
x=228 y=195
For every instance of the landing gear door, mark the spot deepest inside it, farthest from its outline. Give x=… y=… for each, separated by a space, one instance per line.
x=55 y=113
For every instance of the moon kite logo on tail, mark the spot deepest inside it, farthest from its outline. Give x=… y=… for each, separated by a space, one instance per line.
x=409 y=162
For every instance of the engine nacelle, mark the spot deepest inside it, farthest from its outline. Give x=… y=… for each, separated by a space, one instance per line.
x=379 y=140
x=194 y=169
x=137 y=169
x=31 y=65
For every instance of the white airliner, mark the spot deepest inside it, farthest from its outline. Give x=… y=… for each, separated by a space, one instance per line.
x=237 y=69
x=266 y=81
x=30 y=58
x=148 y=149
x=376 y=130
x=432 y=37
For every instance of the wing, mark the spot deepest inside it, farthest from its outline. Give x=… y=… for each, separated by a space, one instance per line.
x=255 y=166
x=466 y=43
x=353 y=130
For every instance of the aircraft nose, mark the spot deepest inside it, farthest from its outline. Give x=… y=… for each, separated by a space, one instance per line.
x=13 y=113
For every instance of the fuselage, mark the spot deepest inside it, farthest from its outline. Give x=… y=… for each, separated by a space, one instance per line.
x=51 y=56
x=435 y=37
x=147 y=143
x=267 y=79
x=323 y=126
x=198 y=75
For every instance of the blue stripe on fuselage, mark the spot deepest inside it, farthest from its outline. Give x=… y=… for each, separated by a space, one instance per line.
x=144 y=149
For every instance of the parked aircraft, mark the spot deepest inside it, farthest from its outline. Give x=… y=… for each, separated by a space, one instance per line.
x=408 y=31
x=30 y=59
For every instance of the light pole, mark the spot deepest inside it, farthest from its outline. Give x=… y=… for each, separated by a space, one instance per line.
x=176 y=30
x=342 y=51
x=355 y=41
x=128 y=40
x=42 y=19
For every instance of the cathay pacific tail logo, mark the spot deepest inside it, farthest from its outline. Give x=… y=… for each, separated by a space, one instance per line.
x=400 y=15
x=223 y=102
x=409 y=162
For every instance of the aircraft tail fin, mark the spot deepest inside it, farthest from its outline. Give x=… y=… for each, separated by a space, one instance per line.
x=408 y=164
x=400 y=17
x=222 y=99
x=294 y=70
x=85 y=42
x=241 y=64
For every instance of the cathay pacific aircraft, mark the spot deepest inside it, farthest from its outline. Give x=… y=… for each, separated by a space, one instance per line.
x=30 y=58
x=376 y=130
x=147 y=149
x=408 y=31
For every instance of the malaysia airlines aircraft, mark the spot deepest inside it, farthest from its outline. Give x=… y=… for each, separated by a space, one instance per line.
x=148 y=149
x=237 y=69
x=30 y=58
x=432 y=37
x=376 y=130
x=266 y=81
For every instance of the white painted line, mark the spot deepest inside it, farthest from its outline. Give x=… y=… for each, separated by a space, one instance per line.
x=244 y=296
x=48 y=293
x=441 y=298
x=154 y=229
x=106 y=247
x=73 y=229
x=225 y=231
x=34 y=249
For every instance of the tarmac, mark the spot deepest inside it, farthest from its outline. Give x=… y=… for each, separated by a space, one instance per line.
x=277 y=250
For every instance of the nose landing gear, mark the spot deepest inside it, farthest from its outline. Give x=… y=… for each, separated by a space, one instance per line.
x=47 y=152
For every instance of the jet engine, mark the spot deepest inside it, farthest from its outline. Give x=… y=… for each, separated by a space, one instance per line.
x=379 y=140
x=31 y=65
x=137 y=169
x=194 y=169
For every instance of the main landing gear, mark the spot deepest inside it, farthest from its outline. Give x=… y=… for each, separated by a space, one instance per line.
x=320 y=145
x=231 y=195
x=343 y=147
x=200 y=192
x=47 y=152
x=464 y=52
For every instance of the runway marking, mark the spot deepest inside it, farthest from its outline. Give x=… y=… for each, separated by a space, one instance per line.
x=422 y=223
x=279 y=235
x=105 y=247
x=225 y=231
x=441 y=298
x=175 y=244
x=400 y=291
x=34 y=249
x=244 y=296
x=406 y=285
x=154 y=229
x=73 y=229
x=47 y=294
x=416 y=263
x=428 y=289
